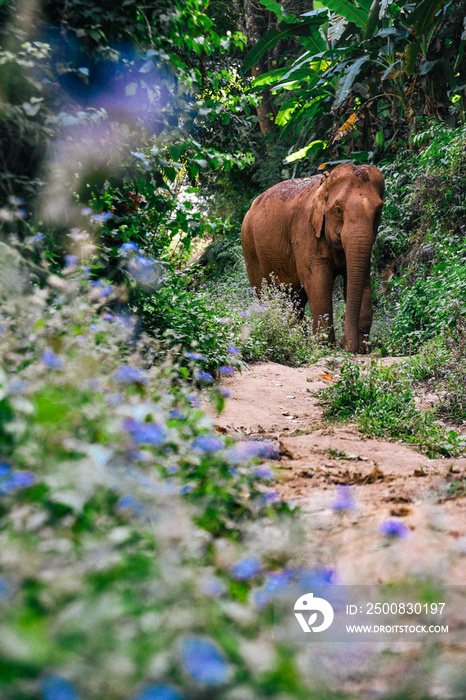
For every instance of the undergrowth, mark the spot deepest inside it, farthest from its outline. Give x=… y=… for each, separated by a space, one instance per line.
x=382 y=400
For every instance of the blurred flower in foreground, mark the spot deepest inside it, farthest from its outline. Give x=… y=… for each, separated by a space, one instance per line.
x=144 y=433
x=226 y=370
x=130 y=505
x=344 y=499
x=263 y=472
x=253 y=448
x=148 y=273
x=207 y=443
x=232 y=350
x=130 y=374
x=393 y=528
x=10 y=480
x=128 y=247
x=226 y=393
x=158 y=692
x=51 y=360
x=56 y=687
x=246 y=568
x=205 y=377
x=195 y=356
x=71 y=260
x=193 y=400
x=204 y=661
x=322 y=576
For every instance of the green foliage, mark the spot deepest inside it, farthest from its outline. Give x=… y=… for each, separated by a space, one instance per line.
x=382 y=400
x=363 y=77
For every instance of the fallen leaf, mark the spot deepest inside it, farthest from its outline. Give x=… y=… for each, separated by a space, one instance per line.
x=327 y=377
x=220 y=429
x=400 y=511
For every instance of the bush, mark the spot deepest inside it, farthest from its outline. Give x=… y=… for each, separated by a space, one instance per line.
x=382 y=400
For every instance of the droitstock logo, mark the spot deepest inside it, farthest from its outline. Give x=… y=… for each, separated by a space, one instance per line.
x=308 y=604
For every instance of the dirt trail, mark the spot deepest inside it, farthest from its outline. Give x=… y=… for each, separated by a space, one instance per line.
x=388 y=479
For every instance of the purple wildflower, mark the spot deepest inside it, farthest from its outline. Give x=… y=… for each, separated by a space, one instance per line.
x=102 y=218
x=55 y=687
x=204 y=661
x=271 y=496
x=195 y=356
x=106 y=291
x=129 y=246
x=11 y=481
x=213 y=587
x=232 y=350
x=322 y=576
x=186 y=488
x=205 y=377
x=130 y=505
x=93 y=327
x=344 y=499
x=253 y=448
x=51 y=360
x=193 y=400
x=176 y=413
x=144 y=433
x=71 y=260
x=107 y=316
x=5 y=589
x=130 y=374
x=393 y=528
x=38 y=237
x=225 y=392
x=226 y=370
x=246 y=568
x=86 y=211
x=206 y=443
x=263 y=472
x=158 y=692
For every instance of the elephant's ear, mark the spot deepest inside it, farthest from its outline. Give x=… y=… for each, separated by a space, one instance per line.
x=317 y=215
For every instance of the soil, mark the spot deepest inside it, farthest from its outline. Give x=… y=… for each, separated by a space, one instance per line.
x=387 y=480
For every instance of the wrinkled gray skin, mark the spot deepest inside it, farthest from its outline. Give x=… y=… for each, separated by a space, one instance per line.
x=306 y=232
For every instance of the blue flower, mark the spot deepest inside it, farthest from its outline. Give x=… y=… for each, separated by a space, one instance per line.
x=232 y=350
x=225 y=392
x=11 y=481
x=93 y=327
x=195 y=356
x=38 y=237
x=393 y=528
x=205 y=377
x=146 y=271
x=206 y=443
x=271 y=496
x=246 y=568
x=127 y=247
x=130 y=374
x=158 y=692
x=96 y=283
x=131 y=505
x=102 y=218
x=176 y=413
x=145 y=433
x=106 y=291
x=204 y=661
x=86 y=211
x=322 y=576
x=71 y=260
x=253 y=448
x=344 y=499
x=278 y=580
x=213 y=587
x=5 y=590
x=226 y=370
x=107 y=316
x=56 y=687
x=193 y=400
x=186 y=488
x=263 y=472
x=51 y=360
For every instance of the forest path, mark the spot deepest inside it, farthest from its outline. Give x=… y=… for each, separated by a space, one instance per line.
x=388 y=479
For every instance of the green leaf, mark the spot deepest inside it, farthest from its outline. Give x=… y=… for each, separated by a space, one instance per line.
x=313 y=146
x=273 y=36
x=269 y=78
x=345 y=9
x=422 y=18
x=347 y=81
x=278 y=10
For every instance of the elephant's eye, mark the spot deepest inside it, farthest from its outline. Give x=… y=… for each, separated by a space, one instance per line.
x=338 y=210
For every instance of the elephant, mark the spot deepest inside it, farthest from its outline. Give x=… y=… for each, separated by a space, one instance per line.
x=305 y=232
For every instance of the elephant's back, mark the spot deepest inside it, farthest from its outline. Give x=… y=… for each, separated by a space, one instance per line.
x=288 y=189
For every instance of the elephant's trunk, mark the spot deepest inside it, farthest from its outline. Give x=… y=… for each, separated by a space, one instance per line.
x=358 y=257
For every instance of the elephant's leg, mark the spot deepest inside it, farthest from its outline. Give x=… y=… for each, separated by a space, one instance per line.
x=299 y=297
x=365 y=317
x=254 y=271
x=319 y=287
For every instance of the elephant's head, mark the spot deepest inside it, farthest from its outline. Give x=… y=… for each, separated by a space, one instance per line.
x=346 y=210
